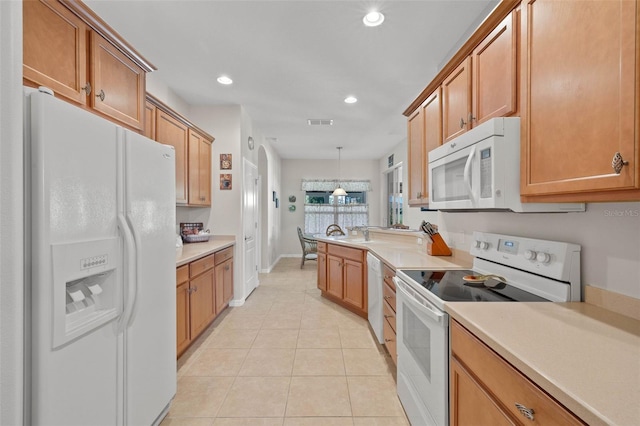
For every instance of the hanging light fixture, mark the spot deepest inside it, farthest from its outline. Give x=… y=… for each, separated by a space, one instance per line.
x=339 y=190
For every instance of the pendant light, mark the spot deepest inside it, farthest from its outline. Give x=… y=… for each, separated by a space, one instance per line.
x=339 y=190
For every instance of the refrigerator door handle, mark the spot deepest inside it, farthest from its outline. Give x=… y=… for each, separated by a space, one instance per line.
x=131 y=273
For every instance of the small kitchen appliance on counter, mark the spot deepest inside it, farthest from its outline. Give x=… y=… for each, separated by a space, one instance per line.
x=505 y=269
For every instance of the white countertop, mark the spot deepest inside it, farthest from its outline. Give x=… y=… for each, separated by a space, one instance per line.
x=586 y=357
x=192 y=251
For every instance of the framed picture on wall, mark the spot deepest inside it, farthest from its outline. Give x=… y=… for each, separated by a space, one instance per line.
x=225 y=181
x=225 y=162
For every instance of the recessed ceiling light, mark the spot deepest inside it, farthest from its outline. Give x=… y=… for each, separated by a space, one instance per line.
x=223 y=79
x=350 y=100
x=373 y=19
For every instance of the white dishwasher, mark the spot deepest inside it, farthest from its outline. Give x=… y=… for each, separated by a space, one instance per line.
x=374 y=282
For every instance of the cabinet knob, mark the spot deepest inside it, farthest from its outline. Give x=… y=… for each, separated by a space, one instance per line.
x=226 y=268
x=87 y=88
x=462 y=123
x=388 y=316
x=387 y=297
x=101 y=95
x=471 y=117
x=527 y=412
x=389 y=340
x=618 y=163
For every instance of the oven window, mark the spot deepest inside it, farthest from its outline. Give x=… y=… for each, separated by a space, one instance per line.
x=416 y=337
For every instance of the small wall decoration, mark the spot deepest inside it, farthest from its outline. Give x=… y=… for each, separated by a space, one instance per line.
x=292 y=198
x=292 y=208
x=390 y=160
x=225 y=181
x=225 y=161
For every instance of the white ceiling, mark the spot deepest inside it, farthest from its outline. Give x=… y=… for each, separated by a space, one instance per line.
x=294 y=60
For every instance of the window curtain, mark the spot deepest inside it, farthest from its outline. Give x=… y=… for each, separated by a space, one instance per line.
x=331 y=184
x=317 y=217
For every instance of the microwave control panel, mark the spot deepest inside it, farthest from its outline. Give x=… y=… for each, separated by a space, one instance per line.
x=485 y=173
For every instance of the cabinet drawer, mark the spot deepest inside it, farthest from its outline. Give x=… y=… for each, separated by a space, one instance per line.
x=222 y=255
x=389 y=315
x=322 y=247
x=505 y=383
x=390 y=341
x=346 y=252
x=182 y=274
x=389 y=296
x=388 y=275
x=199 y=266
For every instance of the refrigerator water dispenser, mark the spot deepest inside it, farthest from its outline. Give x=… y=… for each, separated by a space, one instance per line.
x=87 y=287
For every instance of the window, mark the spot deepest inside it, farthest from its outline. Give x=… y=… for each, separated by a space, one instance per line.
x=322 y=209
x=394 y=196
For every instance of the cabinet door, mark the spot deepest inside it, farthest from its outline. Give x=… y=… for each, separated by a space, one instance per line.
x=494 y=73
x=228 y=281
x=118 y=84
x=456 y=101
x=334 y=276
x=354 y=284
x=432 y=112
x=580 y=92
x=150 y=120
x=202 y=302
x=170 y=131
x=55 y=49
x=470 y=403
x=224 y=285
x=416 y=158
x=322 y=271
x=199 y=170
x=182 y=320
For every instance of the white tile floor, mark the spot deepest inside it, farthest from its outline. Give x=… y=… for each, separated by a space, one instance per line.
x=287 y=357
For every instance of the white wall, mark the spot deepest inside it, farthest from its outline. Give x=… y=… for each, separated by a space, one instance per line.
x=160 y=90
x=11 y=216
x=293 y=171
x=609 y=234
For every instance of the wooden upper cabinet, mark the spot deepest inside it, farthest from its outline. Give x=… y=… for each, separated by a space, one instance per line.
x=170 y=131
x=432 y=112
x=69 y=49
x=55 y=49
x=118 y=83
x=416 y=158
x=494 y=63
x=456 y=101
x=199 y=169
x=581 y=82
x=149 y=120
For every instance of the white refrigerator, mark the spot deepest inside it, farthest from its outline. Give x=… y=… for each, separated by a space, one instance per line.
x=100 y=288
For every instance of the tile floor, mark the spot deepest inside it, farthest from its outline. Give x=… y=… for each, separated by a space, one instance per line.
x=287 y=357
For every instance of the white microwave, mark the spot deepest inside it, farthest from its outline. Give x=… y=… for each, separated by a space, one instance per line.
x=480 y=170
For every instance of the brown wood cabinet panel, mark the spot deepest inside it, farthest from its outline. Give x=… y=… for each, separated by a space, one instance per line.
x=224 y=284
x=55 y=49
x=183 y=335
x=202 y=302
x=470 y=403
x=118 y=83
x=416 y=159
x=355 y=254
x=199 y=266
x=355 y=288
x=506 y=385
x=494 y=73
x=322 y=247
x=390 y=338
x=182 y=274
x=389 y=296
x=456 y=101
x=222 y=255
x=580 y=96
x=432 y=111
x=387 y=275
x=170 y=131
x=334 y=275
x=149 y=120
x=389 y=314
x=199 y=170
x=322 y=270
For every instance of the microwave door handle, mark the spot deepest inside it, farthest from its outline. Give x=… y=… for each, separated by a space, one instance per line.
x=467 y=175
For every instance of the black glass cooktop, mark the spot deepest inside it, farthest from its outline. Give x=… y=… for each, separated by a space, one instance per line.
x=450 y=287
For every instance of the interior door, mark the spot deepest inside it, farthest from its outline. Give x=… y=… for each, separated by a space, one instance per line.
x=250 y=226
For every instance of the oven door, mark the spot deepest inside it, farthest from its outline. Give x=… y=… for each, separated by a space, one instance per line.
x=423 y=363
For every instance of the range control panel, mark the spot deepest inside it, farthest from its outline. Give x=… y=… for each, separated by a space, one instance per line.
x=552 y=259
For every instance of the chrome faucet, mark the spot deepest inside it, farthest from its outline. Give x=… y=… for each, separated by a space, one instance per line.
x=365 y=232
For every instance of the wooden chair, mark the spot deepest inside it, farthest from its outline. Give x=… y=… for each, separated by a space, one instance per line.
x=334 y=229
x=309 y=248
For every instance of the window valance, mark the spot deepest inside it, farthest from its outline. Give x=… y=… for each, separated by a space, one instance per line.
x=331 y=184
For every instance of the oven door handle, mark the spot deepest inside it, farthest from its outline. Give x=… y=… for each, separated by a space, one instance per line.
x=425 y=306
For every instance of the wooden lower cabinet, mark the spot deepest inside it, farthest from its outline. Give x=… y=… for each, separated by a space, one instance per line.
x=486 y=389
x=204 y=288
x=389 y=312
x=322 y=266
x=342 y=276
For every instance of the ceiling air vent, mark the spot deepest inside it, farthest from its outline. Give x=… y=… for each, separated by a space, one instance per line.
x=319 y=122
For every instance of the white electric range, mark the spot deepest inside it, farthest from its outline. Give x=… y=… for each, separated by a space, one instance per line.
x=520 y=269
